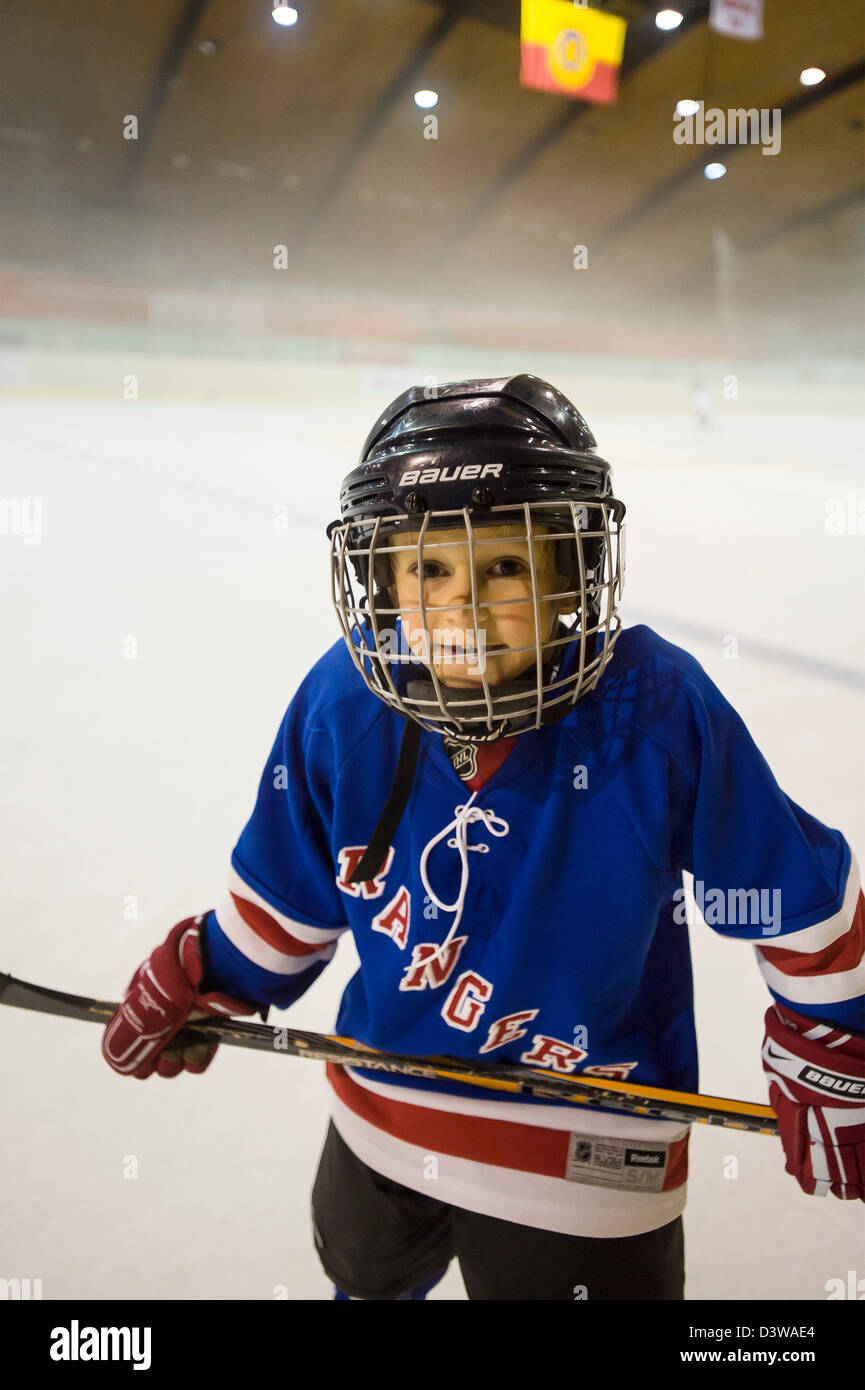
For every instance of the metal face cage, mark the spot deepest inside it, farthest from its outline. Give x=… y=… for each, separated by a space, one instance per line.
x=567 y=666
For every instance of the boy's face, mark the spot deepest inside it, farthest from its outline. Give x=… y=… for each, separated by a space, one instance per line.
x=457 y=652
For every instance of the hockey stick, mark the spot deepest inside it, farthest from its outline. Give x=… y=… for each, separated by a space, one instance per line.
x=499 y=1076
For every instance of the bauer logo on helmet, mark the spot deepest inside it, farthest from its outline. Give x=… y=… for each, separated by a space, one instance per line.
x=449 y=475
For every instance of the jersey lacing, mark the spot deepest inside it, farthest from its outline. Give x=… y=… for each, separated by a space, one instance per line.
x=465 y=816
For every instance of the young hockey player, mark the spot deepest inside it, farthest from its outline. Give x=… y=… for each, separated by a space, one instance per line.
x=496 y=789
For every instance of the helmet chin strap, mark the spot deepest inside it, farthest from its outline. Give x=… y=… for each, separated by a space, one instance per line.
x=460 y=703
x=375 y=854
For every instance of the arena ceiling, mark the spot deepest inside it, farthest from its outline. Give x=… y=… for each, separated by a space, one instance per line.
x=252 y=136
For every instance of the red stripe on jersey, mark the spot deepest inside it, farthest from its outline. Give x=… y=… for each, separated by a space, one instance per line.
x=505 y=1143
x=842 y=954
x=261 y=922
x=677 y=1164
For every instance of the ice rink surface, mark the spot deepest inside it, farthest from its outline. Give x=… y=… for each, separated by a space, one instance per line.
x=153 y=633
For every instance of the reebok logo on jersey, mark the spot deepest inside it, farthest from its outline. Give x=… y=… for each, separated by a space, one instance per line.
x=645 y=1158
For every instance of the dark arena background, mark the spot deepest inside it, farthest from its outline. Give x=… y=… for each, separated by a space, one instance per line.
x=228 y=241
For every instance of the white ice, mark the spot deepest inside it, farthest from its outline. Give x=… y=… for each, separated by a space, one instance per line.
x=130 y=778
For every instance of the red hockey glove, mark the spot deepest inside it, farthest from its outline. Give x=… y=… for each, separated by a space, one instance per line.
x=161 y=997
x=817 y=1089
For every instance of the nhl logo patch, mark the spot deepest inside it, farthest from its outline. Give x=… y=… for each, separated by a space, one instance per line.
x=464 y=757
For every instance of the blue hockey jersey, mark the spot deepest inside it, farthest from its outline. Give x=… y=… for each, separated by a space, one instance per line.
x=539 y=919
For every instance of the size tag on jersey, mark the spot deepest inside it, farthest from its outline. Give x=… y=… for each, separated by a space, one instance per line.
x=632 y=1165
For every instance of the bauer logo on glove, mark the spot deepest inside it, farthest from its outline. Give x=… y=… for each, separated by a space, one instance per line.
x=816 y=1085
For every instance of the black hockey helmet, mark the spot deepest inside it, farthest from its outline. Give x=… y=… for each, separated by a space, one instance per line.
x=466 y=455
x=482 y=446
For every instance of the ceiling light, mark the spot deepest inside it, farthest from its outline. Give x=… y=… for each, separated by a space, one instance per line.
x=19 y=133
x=284 y=15
x=687 y=107
x=715 y=171
x=811 y=76
x=426 y=98
x=668 y=19
x=230 y=170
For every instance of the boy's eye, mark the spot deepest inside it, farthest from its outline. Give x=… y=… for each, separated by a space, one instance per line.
x=428 y=566
x=508 y=567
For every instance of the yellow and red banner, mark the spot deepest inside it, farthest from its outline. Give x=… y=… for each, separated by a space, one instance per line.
x=570 y=49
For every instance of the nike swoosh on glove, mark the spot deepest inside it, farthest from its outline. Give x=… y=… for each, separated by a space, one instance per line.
x=816 y=1075
x=160 y=998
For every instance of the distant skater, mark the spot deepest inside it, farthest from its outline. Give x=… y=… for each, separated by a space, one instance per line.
x=704 y=416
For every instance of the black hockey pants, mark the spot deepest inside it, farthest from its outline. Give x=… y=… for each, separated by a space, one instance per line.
x=377 y=1239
